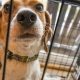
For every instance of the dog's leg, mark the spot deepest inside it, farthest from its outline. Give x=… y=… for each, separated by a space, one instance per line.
x=33 y=71
x=37 y=72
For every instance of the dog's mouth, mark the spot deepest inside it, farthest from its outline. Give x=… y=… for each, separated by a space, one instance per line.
x=27 y=36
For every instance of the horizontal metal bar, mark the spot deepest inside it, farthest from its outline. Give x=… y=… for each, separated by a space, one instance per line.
x=73 y=2
x=64 y=46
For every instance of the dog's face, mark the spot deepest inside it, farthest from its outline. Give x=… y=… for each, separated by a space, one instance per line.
x=30 y=25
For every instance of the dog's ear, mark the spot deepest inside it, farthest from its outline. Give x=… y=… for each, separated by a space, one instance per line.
x=48 y=30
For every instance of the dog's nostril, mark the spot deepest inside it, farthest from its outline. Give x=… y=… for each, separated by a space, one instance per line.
x=33 y=18
x=20 y=17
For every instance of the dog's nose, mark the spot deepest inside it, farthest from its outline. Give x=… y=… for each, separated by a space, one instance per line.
x=26 y=18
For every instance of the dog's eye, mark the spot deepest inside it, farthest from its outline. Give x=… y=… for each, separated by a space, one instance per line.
x=39 y=7
x=7 y=7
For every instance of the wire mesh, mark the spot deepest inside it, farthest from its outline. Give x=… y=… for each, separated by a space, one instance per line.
x=64 y=45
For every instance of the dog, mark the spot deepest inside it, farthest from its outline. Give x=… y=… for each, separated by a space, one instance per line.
x=30 y=30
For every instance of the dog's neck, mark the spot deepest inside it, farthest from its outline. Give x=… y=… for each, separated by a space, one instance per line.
x=24 y=59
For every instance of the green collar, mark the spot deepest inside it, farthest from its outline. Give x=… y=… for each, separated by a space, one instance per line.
x=23 y=59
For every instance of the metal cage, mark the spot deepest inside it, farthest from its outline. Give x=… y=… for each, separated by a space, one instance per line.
x=62 y=60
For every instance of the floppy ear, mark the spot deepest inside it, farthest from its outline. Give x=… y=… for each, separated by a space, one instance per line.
x=48 y=30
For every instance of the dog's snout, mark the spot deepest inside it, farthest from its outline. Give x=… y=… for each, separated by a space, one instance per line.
x=26 y=18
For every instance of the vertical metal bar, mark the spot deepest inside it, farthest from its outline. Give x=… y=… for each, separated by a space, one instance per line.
x=52 y=40
x=79 y=78
x=7 y=41
x=73 y=59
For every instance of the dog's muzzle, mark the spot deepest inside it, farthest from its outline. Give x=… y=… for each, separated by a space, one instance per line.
x=26 y=18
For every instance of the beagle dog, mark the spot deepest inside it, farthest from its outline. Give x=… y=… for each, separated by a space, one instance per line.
x=30 y=29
